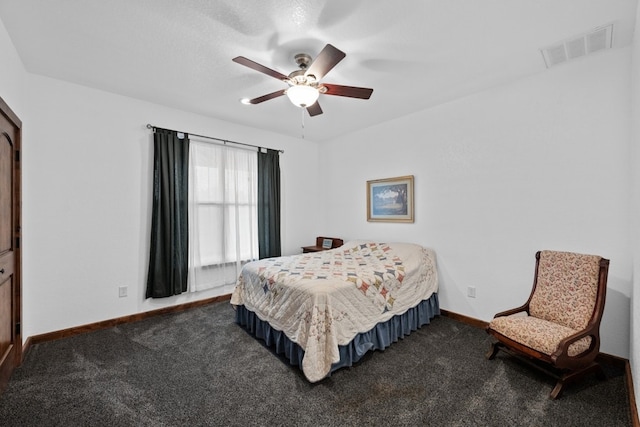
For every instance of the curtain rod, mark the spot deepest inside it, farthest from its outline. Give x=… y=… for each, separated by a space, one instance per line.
x=224 y=141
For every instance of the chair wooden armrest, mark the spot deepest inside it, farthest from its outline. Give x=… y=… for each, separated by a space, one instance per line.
x=522 y=309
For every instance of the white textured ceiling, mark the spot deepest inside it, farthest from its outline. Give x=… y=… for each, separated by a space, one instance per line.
x=414 y=53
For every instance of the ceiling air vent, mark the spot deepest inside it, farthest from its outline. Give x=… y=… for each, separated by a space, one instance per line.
x=598 y=39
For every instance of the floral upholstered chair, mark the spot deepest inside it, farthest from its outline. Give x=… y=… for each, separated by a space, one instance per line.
x=559 y=324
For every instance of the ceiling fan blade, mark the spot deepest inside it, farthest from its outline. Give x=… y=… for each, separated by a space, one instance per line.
x=325 y=61
x=350 y=91
x=258 y=67
x=267 y=97
x=315 y=109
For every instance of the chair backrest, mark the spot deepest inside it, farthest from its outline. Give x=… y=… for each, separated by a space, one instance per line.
x=566 y=288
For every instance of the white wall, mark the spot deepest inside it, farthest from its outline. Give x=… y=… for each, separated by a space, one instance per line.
x=541 y=163
x=87 y=200
x=12 y=75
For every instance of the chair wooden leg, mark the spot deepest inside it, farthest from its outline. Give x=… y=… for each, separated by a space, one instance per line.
x=493 y=350
x=574 y=376
x=557 y=390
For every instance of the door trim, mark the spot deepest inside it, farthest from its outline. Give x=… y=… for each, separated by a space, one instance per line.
x=16 y=142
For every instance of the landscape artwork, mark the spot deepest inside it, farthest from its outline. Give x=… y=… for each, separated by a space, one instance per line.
x=390 y=199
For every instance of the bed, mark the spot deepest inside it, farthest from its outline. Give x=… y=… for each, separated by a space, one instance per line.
x=325 y=310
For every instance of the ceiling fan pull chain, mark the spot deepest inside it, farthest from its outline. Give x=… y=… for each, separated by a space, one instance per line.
x=302 y=121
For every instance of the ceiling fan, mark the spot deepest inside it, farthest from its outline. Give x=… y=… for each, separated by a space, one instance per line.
x=304 y=84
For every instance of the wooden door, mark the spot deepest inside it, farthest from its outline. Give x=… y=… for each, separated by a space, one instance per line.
x=10 y=259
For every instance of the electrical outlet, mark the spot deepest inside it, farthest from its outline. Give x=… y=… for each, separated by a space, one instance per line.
x=471 y=291
x=122 y=291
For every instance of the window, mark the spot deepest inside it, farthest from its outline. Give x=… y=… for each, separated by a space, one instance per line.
x=223 y=225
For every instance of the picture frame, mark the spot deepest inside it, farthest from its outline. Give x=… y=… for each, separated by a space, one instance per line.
x=327 y=243
x=390 y=199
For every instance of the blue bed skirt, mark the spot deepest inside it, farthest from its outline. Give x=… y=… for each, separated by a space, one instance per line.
x=380 y=337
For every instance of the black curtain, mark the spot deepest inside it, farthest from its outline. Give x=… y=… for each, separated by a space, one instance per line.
x=168 y=260
x=269 y=204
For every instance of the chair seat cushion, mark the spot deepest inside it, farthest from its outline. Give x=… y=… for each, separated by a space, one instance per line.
x=538 y=334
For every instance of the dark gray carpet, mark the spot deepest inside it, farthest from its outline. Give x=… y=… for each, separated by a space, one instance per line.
x=198 y=368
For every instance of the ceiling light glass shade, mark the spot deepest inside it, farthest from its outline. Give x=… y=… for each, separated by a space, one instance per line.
x=302 y=96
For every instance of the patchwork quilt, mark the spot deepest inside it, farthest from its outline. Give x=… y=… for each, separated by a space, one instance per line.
x=324 y=299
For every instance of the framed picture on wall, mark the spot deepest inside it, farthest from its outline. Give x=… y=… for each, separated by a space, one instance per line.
x=390 y=199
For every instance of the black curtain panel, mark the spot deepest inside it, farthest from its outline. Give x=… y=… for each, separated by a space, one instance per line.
x=168 y=260
x=269 y=204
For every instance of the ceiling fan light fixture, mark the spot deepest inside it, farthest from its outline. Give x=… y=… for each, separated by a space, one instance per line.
x=302 y=96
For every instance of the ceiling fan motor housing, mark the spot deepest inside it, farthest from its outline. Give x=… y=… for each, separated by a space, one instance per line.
x=298 y=77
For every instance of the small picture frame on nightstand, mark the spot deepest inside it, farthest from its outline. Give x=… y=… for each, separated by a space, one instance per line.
x=326 y=243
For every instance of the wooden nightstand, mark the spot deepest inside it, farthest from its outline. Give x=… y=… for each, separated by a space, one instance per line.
x=335 y=243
